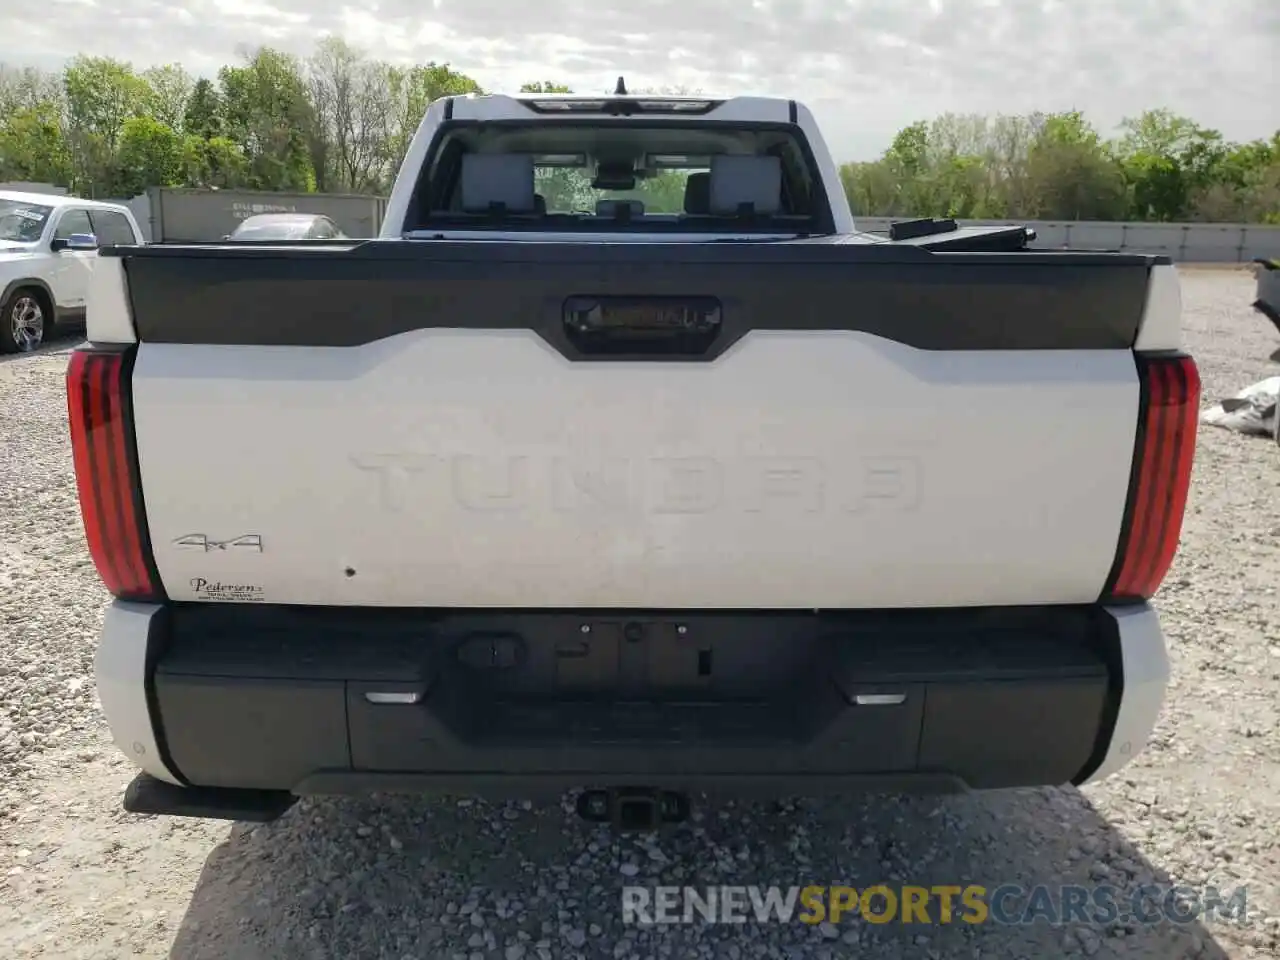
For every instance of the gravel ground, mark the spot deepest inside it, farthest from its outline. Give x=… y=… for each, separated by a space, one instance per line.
x=400 y=877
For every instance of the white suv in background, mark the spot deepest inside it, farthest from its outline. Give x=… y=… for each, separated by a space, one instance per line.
x=48 y=246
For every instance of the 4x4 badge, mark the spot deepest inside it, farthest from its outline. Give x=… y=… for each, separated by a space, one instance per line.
x=198 y=541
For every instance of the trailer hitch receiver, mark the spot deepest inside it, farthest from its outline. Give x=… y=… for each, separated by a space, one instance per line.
x=633 y=809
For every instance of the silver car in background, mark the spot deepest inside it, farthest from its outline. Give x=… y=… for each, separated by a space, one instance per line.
x=287 y=226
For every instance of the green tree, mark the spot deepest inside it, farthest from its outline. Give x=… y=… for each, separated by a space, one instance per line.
x=872 y=188
x=909 y=152
x=908 y=160
x=270 y=116
x=545 y=87
x=32 y=146
x=149 y=154
x=216 y=162
x=354 y=107
x=27 y=88
x=662 y=193
x=1161 y=167
x=204 y=115
x=1241 y=188
x=411 y=90
x=1070 y=173
x=1168 y=159
x=101 y=94
x=171 y=90
x=1158 y=188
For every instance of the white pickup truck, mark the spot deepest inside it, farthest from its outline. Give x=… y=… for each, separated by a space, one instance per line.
x=623 y=462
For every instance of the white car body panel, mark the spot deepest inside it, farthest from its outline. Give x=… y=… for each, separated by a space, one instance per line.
x=120 y=668
x=68 y=274
x=108 y=319
x=457 y=468
x=1145 y=675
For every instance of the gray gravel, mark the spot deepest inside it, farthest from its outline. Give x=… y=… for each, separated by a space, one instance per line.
x=397 y=877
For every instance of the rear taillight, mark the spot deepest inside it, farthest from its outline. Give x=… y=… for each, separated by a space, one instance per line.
x=106 y=465
x=1169 y=413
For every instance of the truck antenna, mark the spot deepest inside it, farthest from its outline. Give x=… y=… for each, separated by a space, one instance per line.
x=621 y=89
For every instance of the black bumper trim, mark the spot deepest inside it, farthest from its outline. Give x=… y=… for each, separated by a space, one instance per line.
x=498 y=785
x=343 y=700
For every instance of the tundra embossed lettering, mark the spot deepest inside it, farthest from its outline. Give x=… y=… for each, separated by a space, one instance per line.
x=655 y=485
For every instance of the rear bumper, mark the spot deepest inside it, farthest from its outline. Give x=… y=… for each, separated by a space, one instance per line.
x=341 y=700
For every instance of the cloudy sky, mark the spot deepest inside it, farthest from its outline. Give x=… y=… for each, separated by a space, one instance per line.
x=866 y=67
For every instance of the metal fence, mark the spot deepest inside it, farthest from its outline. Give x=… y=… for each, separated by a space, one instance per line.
x=175 y=215
x=1184 y=242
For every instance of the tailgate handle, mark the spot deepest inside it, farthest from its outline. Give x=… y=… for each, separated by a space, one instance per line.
x=642 y=326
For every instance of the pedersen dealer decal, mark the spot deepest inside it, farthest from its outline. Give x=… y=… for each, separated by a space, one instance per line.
x=206 y=589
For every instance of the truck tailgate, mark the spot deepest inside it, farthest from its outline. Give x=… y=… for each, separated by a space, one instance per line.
x=422 y=429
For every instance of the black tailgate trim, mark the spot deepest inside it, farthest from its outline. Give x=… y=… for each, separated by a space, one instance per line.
x=344 y=298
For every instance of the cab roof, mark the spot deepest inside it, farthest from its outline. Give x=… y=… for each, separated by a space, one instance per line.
x=59 y=200
x=557 y=106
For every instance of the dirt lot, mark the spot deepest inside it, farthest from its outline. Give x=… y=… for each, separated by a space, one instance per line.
x=415 y=878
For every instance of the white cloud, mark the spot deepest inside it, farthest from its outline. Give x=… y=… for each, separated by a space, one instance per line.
x=867 y=67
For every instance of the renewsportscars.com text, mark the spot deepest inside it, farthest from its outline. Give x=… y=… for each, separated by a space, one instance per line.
x=1008 y=904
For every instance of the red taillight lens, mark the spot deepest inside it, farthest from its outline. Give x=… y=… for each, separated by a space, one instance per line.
x=106 y=465
x=1161 y=478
